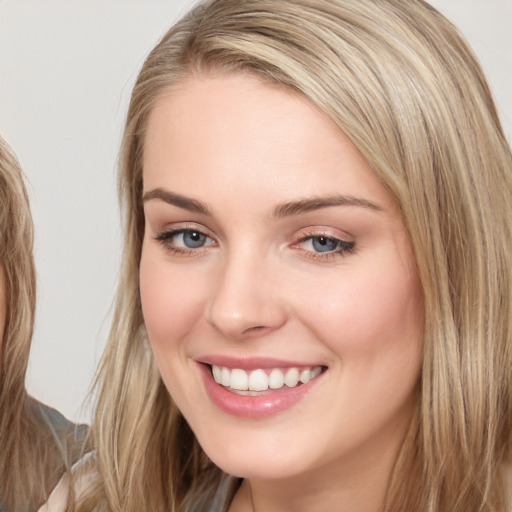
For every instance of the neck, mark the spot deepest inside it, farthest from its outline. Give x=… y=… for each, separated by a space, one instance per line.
x=334 y=493
x=358 y=482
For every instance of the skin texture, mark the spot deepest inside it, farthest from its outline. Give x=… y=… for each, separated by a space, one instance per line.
x=259 y=287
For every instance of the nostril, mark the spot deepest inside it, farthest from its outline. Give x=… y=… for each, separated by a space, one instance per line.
x=256 y=330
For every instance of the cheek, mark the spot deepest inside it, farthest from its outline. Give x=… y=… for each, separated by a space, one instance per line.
x=372 y=324
x=360 y=314
x=171 y=299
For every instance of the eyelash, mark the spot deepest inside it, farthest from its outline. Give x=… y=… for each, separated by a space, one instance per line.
x=343 y=247
x=166 y=239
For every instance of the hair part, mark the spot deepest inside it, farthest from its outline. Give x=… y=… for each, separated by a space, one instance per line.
x=399 y=80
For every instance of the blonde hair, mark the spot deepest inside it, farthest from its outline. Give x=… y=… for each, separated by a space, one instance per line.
x=401 y=83
x=32 y=455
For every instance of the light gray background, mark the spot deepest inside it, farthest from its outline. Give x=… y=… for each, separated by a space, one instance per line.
x=66 y=70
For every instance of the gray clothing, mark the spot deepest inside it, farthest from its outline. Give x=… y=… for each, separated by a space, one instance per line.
x=223 y=496
x=67 y=434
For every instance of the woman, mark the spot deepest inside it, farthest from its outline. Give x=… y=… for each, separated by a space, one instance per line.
x=37 y=442
x=314 y=311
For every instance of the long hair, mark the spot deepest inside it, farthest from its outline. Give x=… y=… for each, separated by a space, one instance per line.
x=32 y=453
x=399 y=80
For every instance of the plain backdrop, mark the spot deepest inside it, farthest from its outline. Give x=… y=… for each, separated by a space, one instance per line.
x=66 y=71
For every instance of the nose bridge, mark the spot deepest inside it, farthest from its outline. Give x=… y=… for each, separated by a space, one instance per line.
x=245 y=300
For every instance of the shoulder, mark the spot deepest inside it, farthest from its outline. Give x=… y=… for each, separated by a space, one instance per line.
x=58 y=500
x=42 y=443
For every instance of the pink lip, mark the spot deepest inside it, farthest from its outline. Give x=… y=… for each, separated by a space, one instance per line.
x=253 y=407
x=252 y=363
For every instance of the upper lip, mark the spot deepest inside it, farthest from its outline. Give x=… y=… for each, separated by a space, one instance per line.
x=253 y=363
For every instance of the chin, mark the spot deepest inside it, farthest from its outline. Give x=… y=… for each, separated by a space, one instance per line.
x=256 y=469
x=260 y=458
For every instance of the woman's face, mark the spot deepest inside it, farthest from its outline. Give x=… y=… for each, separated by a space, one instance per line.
x=278 y=286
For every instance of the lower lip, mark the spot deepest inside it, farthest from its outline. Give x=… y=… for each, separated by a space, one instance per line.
x=254 y=407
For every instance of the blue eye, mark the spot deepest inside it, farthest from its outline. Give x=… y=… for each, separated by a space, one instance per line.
x=193 y=239
x=325 y=247
x=184 y=240
x=324 y=243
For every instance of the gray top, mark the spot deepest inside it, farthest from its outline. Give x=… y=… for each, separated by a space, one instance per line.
x=72 y=436
x=222 y=498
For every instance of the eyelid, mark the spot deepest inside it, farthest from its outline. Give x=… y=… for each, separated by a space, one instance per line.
x=184 y=226
x=317 y=231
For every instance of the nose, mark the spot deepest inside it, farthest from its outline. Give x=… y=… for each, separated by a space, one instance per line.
x=246 y=302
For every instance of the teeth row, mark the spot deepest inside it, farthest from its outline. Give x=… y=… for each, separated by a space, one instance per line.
x=260 y=380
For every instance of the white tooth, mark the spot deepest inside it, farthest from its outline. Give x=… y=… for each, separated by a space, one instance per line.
x=291 y=379
x=217 y=372
x=258 y=381
x=315 y=372
x=305 y=376
x=239 y=379
x=276 y=379
x=225 y=377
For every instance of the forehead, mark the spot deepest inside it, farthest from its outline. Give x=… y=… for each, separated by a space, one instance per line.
x=240 y=133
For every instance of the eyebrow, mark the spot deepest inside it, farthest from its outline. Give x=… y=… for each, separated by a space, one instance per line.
x=283 y=210
x=317 y=203
x=178 y=200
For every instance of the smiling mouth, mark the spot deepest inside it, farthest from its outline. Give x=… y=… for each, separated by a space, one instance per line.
x=262 y=381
